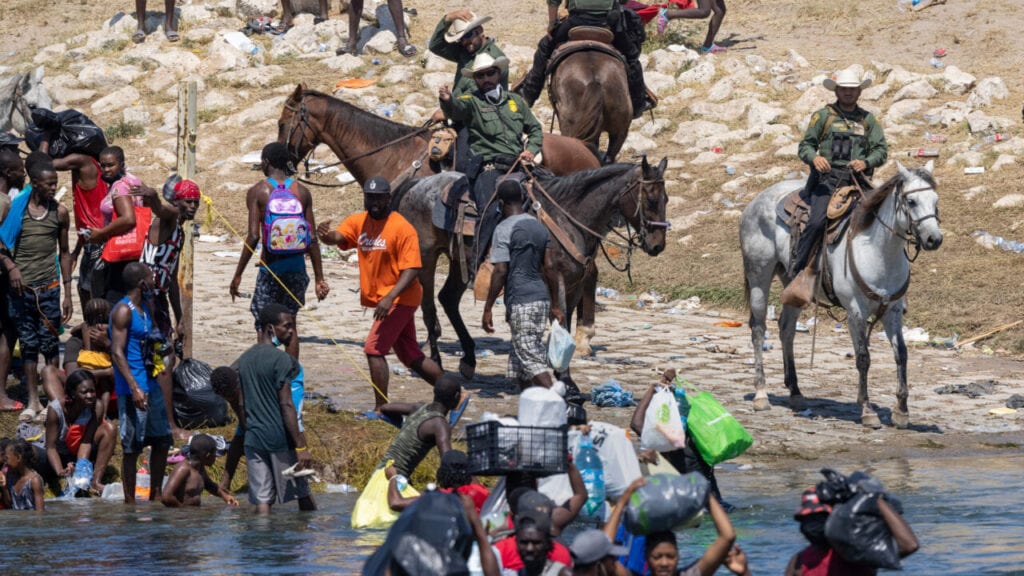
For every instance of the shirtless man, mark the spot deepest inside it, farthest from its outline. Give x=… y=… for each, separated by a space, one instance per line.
x=189 y=478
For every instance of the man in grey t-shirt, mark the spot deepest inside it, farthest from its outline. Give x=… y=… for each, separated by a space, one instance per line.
x=521 y=254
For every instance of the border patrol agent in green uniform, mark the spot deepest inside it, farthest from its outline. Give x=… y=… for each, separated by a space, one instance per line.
x=459 y=37
x=629 y=39
x=496 y=120
x=841 y=139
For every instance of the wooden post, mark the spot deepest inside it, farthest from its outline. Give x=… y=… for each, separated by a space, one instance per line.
x=187 y=170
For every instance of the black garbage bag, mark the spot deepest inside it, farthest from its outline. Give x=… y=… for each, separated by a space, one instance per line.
x=196 y=405
x=665 y=502
x=431 y=537
x=69 y=131
x=857 y=531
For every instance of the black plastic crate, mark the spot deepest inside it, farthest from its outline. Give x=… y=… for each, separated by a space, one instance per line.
x=496 y=450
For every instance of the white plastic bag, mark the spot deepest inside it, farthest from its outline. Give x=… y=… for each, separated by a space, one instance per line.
x=621 y=466
x=561 y=347
x=539 y=406
x=663 y=429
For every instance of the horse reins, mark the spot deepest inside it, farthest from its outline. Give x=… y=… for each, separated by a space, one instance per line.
x=303 y=124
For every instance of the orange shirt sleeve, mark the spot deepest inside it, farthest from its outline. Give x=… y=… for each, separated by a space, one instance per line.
x=349 y=230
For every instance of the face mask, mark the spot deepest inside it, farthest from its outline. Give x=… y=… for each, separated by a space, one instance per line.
x=814 y=530
x=275 y=341
x=116 y=177
x=493 y=95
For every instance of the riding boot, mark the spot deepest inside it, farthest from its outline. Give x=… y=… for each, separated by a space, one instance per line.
x=533 y=83
x=637 y=92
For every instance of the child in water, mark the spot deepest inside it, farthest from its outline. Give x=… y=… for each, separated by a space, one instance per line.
x=21 y=488
x=189 y=478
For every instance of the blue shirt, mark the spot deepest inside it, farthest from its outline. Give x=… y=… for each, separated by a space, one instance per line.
x=138 y=332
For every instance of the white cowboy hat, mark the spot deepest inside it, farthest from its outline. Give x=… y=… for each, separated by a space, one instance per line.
x=846 y=79
x=485 y=62
x=458 y=28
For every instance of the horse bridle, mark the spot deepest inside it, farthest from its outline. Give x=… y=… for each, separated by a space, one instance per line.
x=303 y=124
x=912 y=235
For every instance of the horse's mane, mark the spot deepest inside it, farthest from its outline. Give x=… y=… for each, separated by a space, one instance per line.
x=867 y=209
x=381 y=127
x=577 y=185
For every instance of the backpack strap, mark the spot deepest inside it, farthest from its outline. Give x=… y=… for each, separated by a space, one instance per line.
x=833 y=115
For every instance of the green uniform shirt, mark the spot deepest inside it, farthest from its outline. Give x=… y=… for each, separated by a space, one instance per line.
x=495 y=129
x=868 y=144
x=456 y=53
x=590 y=6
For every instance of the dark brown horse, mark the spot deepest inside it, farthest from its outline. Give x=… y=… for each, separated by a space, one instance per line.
x=369 y=145
x=590 y=96
x=586 y=205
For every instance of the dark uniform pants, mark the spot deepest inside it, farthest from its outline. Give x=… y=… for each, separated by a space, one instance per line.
x=628 y=40
x=817 y=194
x=484 y=187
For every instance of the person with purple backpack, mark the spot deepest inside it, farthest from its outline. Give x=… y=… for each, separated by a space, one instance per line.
x=281 y=214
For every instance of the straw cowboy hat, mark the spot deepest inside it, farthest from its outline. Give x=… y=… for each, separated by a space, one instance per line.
x=458 y=28
x=846 y=79
x=485 y=62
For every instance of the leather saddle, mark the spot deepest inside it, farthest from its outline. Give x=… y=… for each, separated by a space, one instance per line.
x=795 y=212
x=585 y=39
x=455 y=211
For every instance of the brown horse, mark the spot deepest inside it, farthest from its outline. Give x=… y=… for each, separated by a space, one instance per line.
x=590 y=96
x=369 y=145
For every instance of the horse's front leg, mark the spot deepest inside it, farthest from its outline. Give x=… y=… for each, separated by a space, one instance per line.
x=859 y=335
x=450 y=296
x=586 y=312
x=787 y=332
x=426 y=277
x=758 y=296
x=893 y=323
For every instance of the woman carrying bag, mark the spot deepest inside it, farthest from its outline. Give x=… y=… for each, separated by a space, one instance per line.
x=126 y=221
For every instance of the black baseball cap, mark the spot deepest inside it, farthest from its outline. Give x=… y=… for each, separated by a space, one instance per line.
x=377 y=185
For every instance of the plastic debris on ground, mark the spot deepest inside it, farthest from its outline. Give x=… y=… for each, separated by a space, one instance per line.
x=611 y=395
x=991 y=242
x=971 y=390
x=801 y=327
x=915 y=335
x=729 y=324
x=609 y=293
x=1002 y=411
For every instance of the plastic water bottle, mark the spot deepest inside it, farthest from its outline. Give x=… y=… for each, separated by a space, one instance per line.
x=387 y=110
x=592 y=471
x=924 y=153
x=142 y=488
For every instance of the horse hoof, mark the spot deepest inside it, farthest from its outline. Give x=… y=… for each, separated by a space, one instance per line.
x=900 y=420
x=796 y=402
x=871 y=420
x=466 y=370
x=762 y=404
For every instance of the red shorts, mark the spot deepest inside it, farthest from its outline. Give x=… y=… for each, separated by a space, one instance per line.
x=396 y=331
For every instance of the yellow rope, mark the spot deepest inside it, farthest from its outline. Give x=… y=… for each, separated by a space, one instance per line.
x=213 y=209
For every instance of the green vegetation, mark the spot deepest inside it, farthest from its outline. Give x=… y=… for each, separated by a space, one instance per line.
x=121 y=130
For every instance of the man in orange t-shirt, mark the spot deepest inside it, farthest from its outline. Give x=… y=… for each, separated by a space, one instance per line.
x=389 y=262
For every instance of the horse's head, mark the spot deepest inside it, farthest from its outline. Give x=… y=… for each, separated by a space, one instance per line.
x=643 y=205
x=293 y=127
x=918 y=206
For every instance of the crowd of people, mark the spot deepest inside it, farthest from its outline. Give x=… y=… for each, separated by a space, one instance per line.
x=117 y=364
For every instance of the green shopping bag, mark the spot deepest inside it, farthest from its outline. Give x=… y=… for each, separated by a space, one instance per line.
x=717 y=434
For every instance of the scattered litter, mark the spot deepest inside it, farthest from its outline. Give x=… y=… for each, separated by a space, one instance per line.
x=974 y=170
x=915 y=335
x=730 y=170
x=213 y=239
x=972 y=390
x=801 y=327
x=939 y=53
x=698 y=339
x=346 y=178
x=354 y=83
x=729 y=324
x=227 y=254
x=611 y=395
x=676 y=48
x=716 y=149
x=838 y=328
x=485 y=352
x=609 y=293
x=771 y=312
x=400 y=370
x=934 y=138
x=712 y=348
x=673 y=311
x=1015 y=401
x=1001 y=411
x=989 y=241
x=806 y=413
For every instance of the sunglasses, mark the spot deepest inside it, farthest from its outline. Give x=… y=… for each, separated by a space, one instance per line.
x=472 y=34
x=486 y=73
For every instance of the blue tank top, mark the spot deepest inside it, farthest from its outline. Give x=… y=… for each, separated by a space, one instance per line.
x=138 y=331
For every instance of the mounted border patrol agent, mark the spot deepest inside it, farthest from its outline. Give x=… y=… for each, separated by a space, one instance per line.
x=841 y=140
x=497 y=121
x=629 y=39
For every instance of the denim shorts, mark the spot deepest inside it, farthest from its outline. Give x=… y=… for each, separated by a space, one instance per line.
x=36 y=338
x=141 y=428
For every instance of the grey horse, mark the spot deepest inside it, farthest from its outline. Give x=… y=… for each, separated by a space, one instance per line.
x=870 y=270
